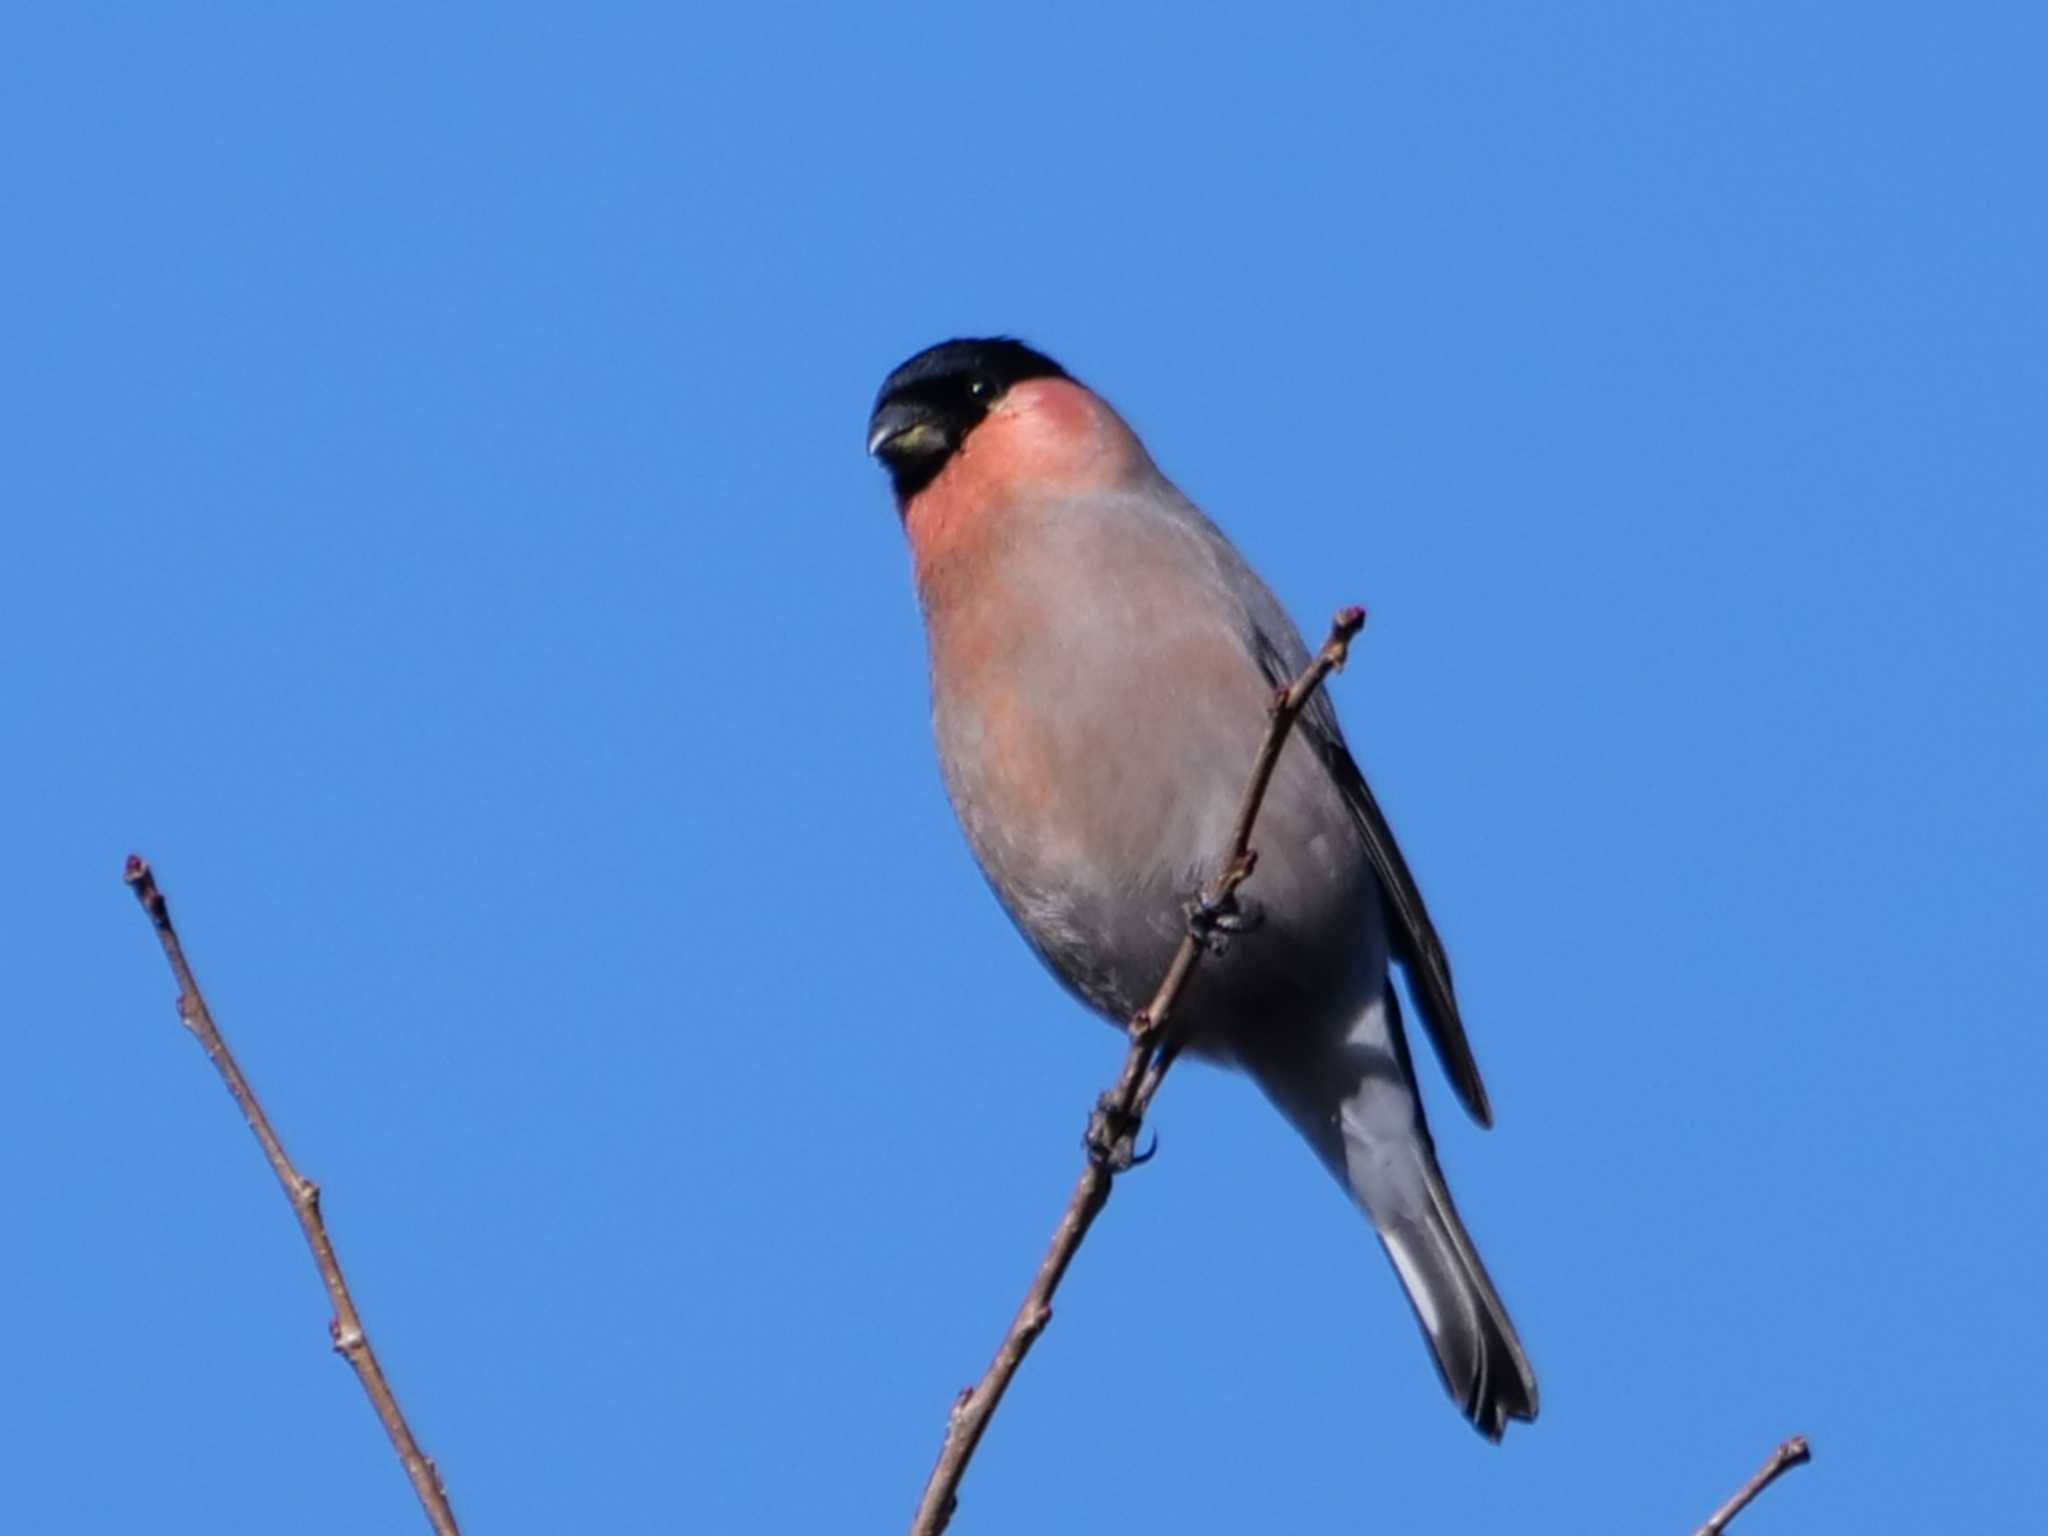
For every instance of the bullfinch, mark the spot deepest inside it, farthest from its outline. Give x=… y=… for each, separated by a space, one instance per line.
x=1102 y=664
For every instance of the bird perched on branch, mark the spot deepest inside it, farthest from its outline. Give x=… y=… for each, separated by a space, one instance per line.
x=1102 y=664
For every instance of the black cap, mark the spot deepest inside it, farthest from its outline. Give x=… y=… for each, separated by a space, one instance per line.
x=926 y=408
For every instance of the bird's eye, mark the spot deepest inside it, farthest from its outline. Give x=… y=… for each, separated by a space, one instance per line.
x=982 y=387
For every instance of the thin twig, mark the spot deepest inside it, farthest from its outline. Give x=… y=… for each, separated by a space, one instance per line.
x=346 y=1330
x=1113 y=1130
x=1793 y=1453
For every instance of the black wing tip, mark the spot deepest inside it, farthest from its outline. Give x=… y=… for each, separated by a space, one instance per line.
x=1477 y=1104
x=1446 y=1026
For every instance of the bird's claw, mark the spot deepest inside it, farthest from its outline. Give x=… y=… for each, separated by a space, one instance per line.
x=1213 y=923
x=1111 y=1138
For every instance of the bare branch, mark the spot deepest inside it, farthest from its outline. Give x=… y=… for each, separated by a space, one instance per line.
x=351 y=1342
x=1112 y=1132
x=1793 y=1453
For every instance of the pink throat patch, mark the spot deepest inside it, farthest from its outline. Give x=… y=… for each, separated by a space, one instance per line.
x=1045 y=437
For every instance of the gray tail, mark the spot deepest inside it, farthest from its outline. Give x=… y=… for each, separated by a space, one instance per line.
x=1355 y=1101
x=1481 y=1360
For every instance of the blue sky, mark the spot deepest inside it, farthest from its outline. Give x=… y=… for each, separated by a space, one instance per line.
x=440 y=541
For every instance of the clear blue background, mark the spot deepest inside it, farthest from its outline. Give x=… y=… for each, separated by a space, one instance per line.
x=438 y=537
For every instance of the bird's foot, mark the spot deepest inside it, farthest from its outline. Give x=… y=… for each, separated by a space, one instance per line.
x=1215 y=922
x=1112 y=1137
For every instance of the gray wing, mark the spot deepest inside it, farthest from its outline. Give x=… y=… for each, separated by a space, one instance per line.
x=1415 y=943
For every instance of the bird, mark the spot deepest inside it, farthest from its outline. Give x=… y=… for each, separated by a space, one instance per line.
x=1103 y=662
